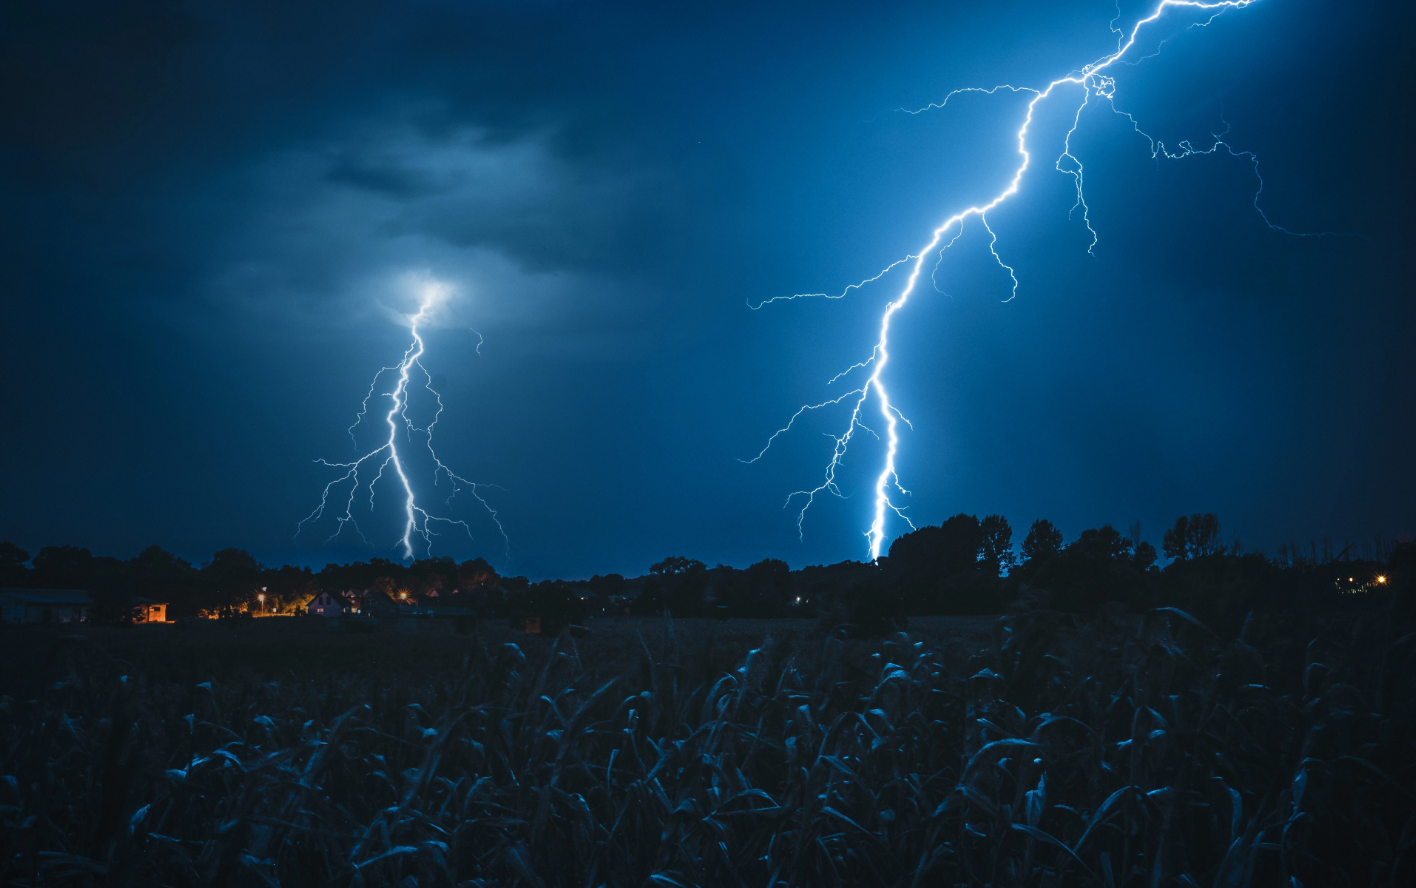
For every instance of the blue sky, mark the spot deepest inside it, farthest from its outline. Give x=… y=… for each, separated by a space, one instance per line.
x=213 y=215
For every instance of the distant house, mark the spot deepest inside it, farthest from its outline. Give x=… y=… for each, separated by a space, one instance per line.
x=145 y=610
x=531 y=625
x=327 y=605
x=45 y=605
x=373 y=603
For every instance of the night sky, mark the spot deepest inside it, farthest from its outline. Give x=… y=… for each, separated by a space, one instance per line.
x=217 y=215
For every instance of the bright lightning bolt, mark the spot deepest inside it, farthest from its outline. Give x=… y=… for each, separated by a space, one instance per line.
x=417 y=520
x=1093 y=83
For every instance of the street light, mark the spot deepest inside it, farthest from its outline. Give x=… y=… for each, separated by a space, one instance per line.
x=261 y=599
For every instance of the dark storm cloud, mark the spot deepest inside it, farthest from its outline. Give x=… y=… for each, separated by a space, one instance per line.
x=156 y=98
x=386 y=177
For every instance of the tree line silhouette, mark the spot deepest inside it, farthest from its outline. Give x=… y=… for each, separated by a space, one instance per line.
x=965 y=565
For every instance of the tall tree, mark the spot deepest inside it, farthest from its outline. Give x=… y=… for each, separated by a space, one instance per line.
x=1043 y=540
x=13 y=571
x=231 y=578
x=64 y=567
x=1193 y=537
x=997 y=543
x=682 y=583
x=475 y=574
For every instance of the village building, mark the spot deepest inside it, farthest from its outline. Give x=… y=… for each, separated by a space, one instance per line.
x=67 y=606
x=145 y=610
x=45 y=605
x=327 y=604
x=375 y=603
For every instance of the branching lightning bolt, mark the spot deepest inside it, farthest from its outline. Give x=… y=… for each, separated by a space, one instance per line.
x=1093 y=82
x=418 y=521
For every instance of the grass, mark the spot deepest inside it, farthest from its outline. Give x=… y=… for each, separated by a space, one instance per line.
x=1034 y=750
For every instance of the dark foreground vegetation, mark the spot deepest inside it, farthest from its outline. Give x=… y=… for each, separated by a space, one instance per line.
x=1053 y=749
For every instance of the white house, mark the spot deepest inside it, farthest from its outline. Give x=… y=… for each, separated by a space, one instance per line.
x=327 y=605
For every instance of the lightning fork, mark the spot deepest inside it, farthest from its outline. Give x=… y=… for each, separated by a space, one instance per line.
x=417 y=520
x=1089 y=82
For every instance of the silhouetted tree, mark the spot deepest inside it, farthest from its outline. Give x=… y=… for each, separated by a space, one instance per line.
x=13 y=571
x=390 y=588
x=288 y=589
x=997 y=543
x=1142 y=552
x=1144 y=555
x=1043 y=540
x=1174 y=543
x=1193 y=537
x=360 y=574
x=231 y=579
x=158 y=574
x=64 y=567
x=1103 y=542
x=954 y=546
x=429 y=576
x=1096 y=568
x=682 y=582
x=676 y=565
x=938 y=570
x=475 y=574
x=607 y=585
x=763 y=590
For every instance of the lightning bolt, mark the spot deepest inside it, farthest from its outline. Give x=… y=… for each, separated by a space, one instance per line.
x=417 y=520
x=1091 y=82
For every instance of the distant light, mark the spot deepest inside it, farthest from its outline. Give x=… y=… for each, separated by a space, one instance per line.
x=403 y=595
x=1381 y=579
x=261 y=597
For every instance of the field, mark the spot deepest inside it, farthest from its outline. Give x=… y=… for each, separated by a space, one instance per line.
x=1033 y=749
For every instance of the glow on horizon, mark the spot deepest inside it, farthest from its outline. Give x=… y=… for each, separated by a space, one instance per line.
x=417 y=519
x=1093 y=82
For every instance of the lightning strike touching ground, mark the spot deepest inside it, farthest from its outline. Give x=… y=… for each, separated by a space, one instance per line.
x=1090 y=82
x=417 y=520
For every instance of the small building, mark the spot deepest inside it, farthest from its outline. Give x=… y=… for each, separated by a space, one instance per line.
x=145 y=610
x=45 y=605
x=529 y=625
x=326 y=604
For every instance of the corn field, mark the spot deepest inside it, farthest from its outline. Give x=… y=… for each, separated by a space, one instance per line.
x=1116 y=752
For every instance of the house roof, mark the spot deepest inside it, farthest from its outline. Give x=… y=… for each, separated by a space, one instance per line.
x=62 y=597
x=46 y=597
